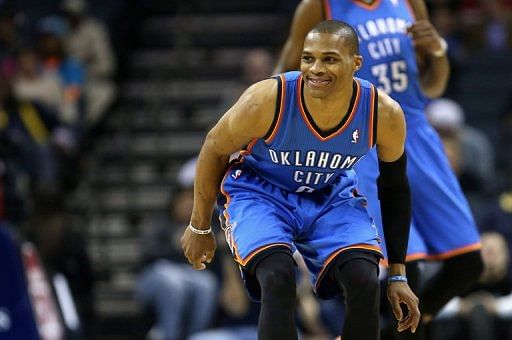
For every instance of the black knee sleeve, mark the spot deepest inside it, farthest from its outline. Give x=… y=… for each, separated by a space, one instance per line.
x=359 y=278
x=276 y=276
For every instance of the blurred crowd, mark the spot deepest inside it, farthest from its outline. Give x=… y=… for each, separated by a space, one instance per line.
x=56 y=83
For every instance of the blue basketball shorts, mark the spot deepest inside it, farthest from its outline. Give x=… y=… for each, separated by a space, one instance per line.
x=442 y=223
x=258 y=215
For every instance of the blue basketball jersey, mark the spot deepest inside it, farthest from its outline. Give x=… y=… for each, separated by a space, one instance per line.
x=442 y=224
x=389 y=59
x=299 y=157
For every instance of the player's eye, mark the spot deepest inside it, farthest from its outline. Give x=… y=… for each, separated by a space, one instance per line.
x=307 y=58
x=330 y=59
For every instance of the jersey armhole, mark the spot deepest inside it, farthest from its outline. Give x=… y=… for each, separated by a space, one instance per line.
x=279 y=108
x=326 y=9
x=374 y=116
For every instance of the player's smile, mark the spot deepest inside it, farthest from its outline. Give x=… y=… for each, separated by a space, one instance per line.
x=318 y=82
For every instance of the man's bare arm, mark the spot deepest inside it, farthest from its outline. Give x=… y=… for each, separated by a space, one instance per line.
x=249 y=118
x=307 y=14
x=390 y=129
x=434 y=68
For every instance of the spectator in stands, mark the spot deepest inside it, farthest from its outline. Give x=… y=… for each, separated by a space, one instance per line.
x=498 y=24
x=88 y=41
x=499 y=218
x=182 y=298
x=469 y=150
x=34 y=133
x=31 y=84
x=56 y=62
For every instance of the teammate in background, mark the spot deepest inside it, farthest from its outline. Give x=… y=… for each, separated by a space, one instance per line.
x=294 y=188
x=406 y=58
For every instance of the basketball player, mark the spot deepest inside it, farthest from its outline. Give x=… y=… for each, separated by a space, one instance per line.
x=294 y=188
x=406 y=58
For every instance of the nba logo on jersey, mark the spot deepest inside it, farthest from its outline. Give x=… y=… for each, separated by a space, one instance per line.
x=355 y=136
x=236 y=174
x=394 y=2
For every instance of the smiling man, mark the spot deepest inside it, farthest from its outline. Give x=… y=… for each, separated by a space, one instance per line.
x=293 y=188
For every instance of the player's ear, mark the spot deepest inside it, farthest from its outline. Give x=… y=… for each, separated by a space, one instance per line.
x=358 y=62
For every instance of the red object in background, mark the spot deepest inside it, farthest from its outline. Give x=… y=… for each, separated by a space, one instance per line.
x=46 y=313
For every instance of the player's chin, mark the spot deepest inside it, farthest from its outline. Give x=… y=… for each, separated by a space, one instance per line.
x=318 y=93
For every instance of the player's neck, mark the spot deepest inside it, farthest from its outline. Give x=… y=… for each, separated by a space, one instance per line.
x=331 y=109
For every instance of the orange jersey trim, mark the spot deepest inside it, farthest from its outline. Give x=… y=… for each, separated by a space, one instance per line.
x=248 y=150
x=455 y=252
x=442 y=256
x=410 y=9
x=339 y=251
x=248 y=258
x=327 y=10
x=408 y=258
x=415 y=257
x=300 y=104
x=280 y=113
x=372 y=103
x=370 y=7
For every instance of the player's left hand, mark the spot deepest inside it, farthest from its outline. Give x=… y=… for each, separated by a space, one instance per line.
x=425 y=37
x=398 y=293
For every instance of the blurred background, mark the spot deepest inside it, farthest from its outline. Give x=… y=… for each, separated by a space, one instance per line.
x=105 y=104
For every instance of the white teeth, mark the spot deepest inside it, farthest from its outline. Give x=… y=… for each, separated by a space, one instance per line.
x=318 y=81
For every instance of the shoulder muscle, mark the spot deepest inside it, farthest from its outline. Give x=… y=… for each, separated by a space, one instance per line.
x=390 y=129
x=250 y=117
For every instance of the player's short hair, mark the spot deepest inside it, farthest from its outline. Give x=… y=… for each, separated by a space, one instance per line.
x=339 y=28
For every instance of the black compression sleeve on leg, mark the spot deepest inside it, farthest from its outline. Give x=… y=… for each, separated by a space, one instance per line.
x=395 y=206
x=276 y=276
x=359 y=280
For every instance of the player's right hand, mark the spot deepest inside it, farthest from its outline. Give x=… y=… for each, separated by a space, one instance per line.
x=198 y=249
x=398 y=293
x=425 y=36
